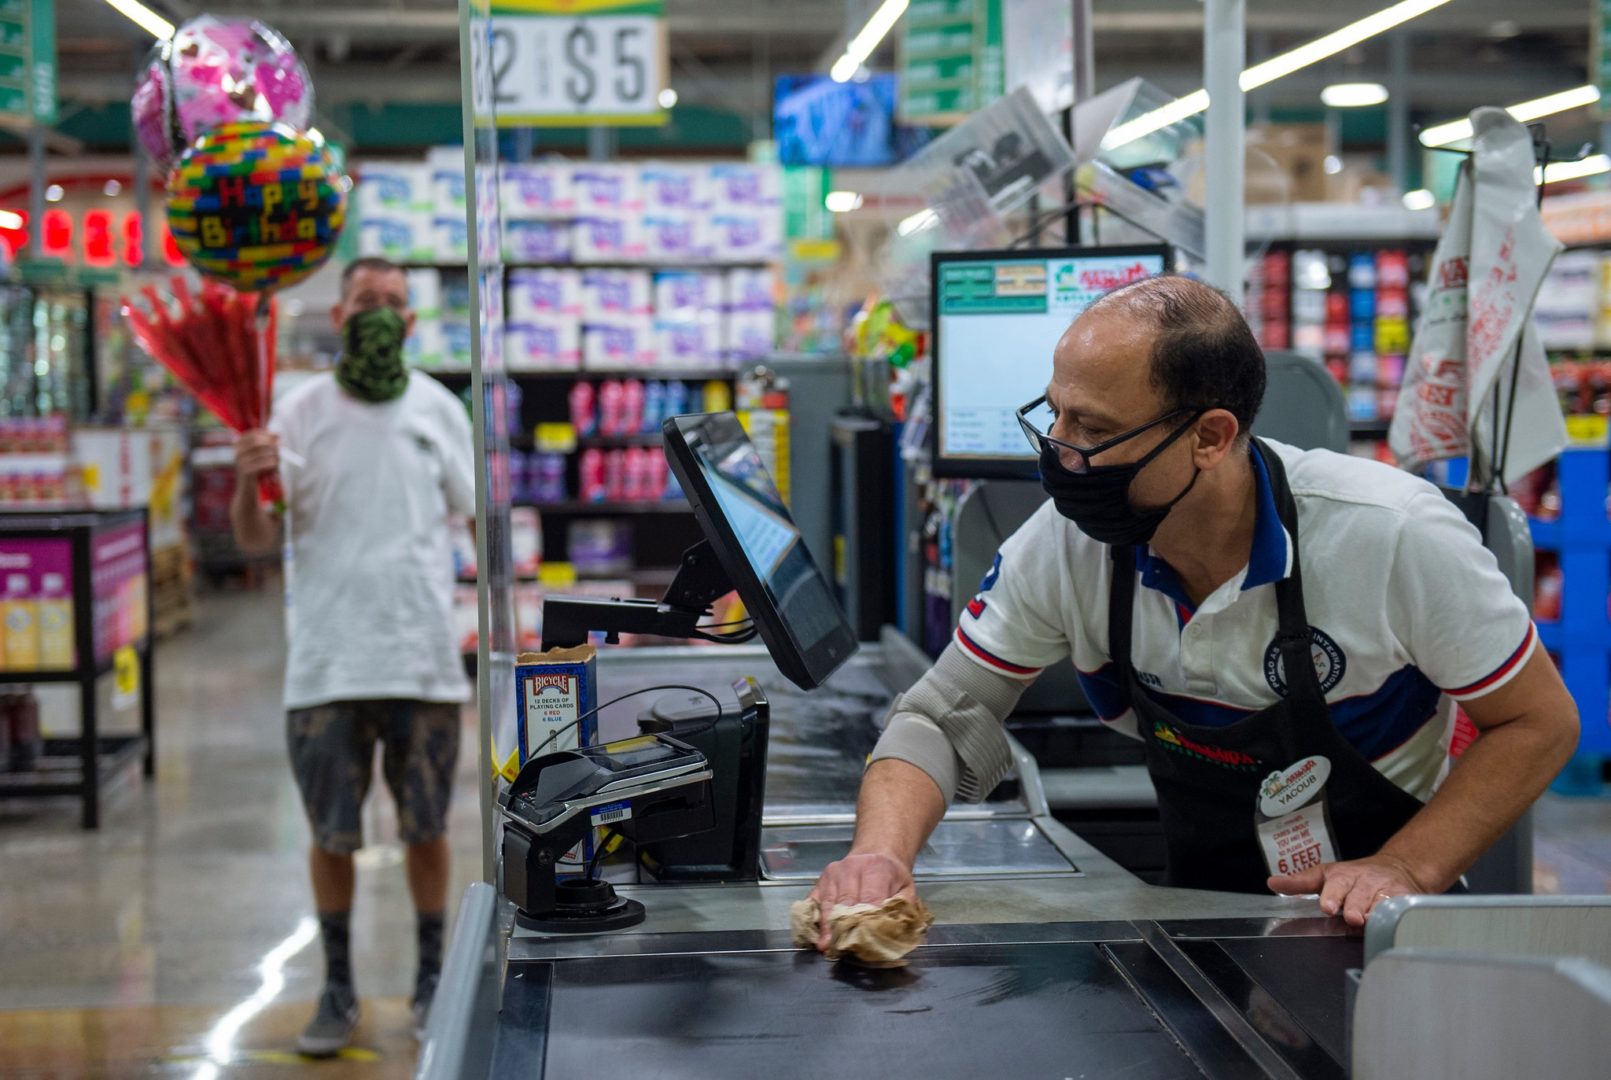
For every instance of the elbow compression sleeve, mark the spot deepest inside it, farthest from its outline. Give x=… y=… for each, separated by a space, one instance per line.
x=949 y=725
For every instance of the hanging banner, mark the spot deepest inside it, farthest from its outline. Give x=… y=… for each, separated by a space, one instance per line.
x=28 y=62
x=950 y=59
x=575 y=63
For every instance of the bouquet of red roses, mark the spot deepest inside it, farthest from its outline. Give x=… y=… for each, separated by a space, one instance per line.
x=219 y=344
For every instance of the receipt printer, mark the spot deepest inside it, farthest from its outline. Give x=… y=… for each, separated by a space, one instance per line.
x=648 y=789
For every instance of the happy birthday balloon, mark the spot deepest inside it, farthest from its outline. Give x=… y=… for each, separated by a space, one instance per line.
x=257 y=206
x=152 y=120
x=216 y=71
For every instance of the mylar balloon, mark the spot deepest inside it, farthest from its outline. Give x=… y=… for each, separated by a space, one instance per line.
x=153 y=119
x=257 y=206
x=217 y=71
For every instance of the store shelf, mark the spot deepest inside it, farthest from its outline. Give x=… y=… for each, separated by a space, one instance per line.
x=60 y=770
x=668 y=506
x=688 y=374
x=1369 y=429
x=710 y=265
x=1581 y=638
x=656 y=576
x=603 y=442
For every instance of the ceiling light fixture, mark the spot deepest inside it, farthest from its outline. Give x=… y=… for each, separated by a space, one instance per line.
x=1353 y=95
x=1419 y=199
x=144 y=17
x=918 y=221
x=1525 y=111
x=1593 y=165
x=111 y=188
x=842 y=202
x=668 y=98
x=866 y=42
x=1276 y=67
x=54 y=193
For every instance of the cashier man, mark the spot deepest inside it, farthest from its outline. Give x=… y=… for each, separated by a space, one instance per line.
x=1287 y=632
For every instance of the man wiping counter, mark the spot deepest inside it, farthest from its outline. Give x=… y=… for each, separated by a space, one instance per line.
x=1288 y=632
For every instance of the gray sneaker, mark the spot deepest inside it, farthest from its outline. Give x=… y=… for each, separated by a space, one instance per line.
x=330 y=1030
x=424 y=994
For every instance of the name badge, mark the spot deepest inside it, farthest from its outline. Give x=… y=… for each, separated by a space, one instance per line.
x=1292 y=819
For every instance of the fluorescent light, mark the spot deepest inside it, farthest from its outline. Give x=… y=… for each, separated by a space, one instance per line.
x=1279 y=67
x=148 y=20
x=1593 y=165
x=1276 y=67
x=1536 y=109
x=10 y=219
x=1419 y=199
x=863 y=44
x=54 y=193
x=918 y=221
x=1333 y=165
x=1159 y=118
x=842 y=202
x=1353 y=95
x=668 y=98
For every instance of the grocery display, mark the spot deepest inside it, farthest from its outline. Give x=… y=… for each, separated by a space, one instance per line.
x=1352 y=307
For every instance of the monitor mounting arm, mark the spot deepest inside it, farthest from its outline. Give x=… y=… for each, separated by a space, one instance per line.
x=699 y=583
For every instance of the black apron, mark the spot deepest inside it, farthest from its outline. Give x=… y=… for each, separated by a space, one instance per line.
x=1208 y=778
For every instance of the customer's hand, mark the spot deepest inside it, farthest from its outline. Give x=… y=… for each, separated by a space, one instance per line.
x=256 y=452
x=869 y=878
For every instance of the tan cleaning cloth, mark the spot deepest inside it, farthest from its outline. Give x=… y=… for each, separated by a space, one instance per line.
x=873 y=935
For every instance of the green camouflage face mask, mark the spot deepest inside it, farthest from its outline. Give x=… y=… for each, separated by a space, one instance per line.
x=371 y=365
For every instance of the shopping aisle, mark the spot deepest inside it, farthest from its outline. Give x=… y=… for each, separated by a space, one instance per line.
x=179 y=933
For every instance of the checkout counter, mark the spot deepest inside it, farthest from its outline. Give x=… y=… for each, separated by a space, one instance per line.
x=1046 y=959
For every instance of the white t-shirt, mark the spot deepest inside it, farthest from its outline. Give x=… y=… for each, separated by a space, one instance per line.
x=1409 y=613
x=369 y=561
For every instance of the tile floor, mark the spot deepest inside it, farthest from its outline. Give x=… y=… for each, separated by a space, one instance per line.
x=175 y=942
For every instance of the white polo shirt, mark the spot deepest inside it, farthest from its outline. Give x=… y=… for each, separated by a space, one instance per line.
x=1409 y=614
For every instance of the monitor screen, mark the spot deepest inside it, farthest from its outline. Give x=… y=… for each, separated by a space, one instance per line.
x=997 y=317
x=817 y=121
x=745 y=520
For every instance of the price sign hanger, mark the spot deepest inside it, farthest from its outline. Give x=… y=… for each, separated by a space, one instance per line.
x=572 y=63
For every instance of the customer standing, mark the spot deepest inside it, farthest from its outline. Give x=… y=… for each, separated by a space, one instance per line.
x=377 y=463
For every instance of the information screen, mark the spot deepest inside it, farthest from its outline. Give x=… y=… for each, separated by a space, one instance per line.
x=998 y=316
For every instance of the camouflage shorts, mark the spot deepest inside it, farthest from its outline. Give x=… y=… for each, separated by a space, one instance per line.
x=333 y=756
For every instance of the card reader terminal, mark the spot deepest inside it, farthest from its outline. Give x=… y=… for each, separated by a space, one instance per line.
x=648 y=788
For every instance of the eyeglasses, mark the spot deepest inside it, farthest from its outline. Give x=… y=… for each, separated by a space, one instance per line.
x=1038 y=415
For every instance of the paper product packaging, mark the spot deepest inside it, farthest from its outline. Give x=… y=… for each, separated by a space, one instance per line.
x=535 y=191
x=555 y=693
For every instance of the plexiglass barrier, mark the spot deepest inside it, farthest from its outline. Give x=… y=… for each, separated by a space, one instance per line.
x=489 y=386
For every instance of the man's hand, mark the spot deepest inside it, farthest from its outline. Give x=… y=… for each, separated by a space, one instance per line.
x=869 y=878
x=256 y=452
x=1352 y=888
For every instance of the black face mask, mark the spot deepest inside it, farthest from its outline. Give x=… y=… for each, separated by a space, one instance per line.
x=1098 y=500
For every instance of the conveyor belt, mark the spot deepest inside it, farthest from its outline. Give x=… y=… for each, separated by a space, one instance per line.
x=1060 y=1000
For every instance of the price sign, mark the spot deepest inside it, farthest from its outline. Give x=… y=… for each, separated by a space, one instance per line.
x=572 y=63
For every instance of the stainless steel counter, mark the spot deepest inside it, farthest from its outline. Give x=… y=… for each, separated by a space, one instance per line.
x=1046 y=959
